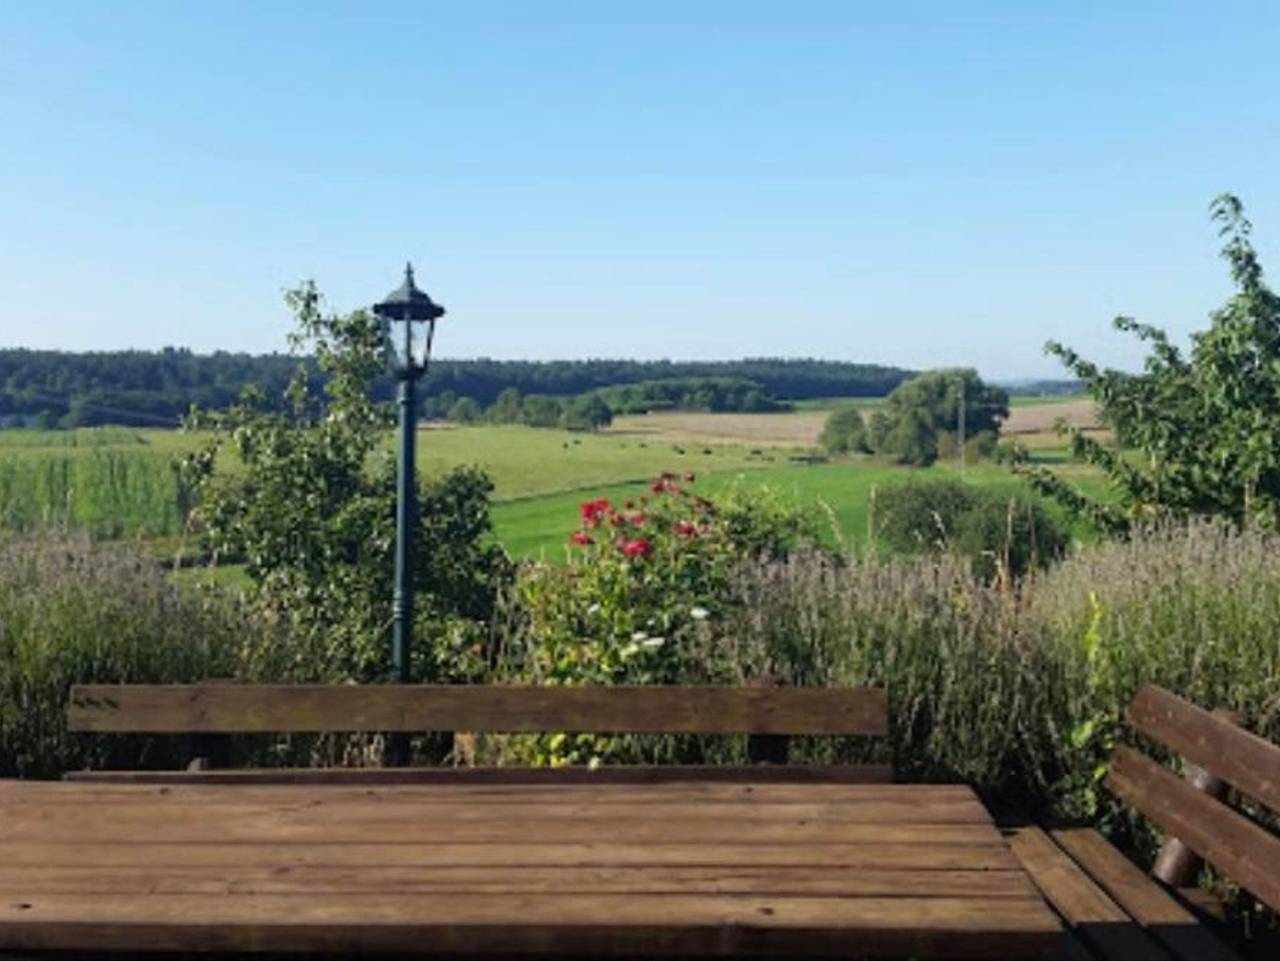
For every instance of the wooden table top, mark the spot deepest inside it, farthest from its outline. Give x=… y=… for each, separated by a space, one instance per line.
x=687 y=868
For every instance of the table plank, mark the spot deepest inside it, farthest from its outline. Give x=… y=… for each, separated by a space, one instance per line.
x=680 y=792
x=655 y=925
x=964 y=857
x=182 y=825
x=836 y=880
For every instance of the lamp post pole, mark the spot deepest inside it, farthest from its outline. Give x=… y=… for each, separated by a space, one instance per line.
x=408 y=305
x=406 y=511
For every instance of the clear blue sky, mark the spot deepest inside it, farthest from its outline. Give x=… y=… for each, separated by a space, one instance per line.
x=918 y=184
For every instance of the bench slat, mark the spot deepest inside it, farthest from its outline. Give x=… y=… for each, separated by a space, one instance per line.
x=1148 y=903
x=1086 y=907
x=1230 y=841
x=244 y=709
x=1237 y=756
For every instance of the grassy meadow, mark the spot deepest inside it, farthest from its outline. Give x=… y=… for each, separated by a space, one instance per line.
x=118 y=483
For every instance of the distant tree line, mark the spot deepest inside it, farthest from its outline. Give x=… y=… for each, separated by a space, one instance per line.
x=57 y=388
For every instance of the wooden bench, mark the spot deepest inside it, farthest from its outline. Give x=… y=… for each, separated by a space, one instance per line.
x=1115 y=910
x=769 y=716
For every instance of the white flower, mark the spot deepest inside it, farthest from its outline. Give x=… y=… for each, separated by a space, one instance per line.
x=699 y=613
x=653 y=643
x=639 y=636
x=593 y=608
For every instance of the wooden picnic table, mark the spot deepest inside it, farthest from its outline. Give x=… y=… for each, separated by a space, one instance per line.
x=686 y=868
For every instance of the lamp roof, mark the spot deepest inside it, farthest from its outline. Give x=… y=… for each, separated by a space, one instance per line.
x=407 y=302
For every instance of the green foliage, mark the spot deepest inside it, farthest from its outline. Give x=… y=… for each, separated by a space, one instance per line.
x=72 y=611
x=506 y=409
x=998 y=535
x=588 y=412
x=1023 y=692
x=844 y=432
x=1206 y=427
x=311 y=511
x=907 y=427
x=541 y=411
x=717 y=394
x=643 y=579
x=146 y=388
x=464 y=411
x=103 y=492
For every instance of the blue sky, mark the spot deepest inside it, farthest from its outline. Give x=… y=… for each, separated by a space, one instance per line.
x=910 y=183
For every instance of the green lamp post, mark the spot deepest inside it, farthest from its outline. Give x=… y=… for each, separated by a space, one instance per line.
x=410 y=353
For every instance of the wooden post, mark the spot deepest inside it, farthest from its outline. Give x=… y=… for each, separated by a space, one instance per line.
x=1176 y=864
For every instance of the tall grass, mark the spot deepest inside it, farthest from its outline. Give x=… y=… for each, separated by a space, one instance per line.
x=80 y=437
x=74 y=611
x=1023 y=692
x=106 y=493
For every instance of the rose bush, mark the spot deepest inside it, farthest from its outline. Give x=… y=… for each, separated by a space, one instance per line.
x=644 y=581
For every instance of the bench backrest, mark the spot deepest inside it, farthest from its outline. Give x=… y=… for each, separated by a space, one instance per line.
x=255 y=708
x=1227 y=839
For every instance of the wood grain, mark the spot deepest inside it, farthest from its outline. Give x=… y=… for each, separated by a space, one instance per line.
x=655 y=925
x=1142 y=898
x=1239 y=757
x=244 y=708
x=1092 y=915
x=1245 y=852
x=663 y=870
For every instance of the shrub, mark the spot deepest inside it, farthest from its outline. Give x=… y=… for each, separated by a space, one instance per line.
x=844 y=432
x=642 y=581
x=996 y=533
x=70 y=612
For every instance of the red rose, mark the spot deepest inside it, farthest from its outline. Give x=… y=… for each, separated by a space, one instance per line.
x=637 y=519
x=637 y=548
x=581 y=538
x=658 y=486
x=685 y=529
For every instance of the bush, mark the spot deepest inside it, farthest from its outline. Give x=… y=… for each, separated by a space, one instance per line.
x=844 y=432
x=643 y=580
x=74 y=612
x=998 y=534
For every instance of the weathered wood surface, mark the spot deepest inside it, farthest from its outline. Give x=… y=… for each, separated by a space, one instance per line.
x=245 y=708
x=622 y=774
x=1242 y=850
x=1242 y=759
x=652 y=870
x=1149 y=904
x=1087 y=909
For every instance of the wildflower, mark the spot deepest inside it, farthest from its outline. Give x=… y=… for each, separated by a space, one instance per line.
x=640 y=547
x=580 y=538
x=699 y=613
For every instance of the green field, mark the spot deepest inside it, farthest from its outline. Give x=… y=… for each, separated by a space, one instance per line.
x=118 y=483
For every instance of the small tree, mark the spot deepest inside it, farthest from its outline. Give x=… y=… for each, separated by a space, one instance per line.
x=540 y=411
x=933 y=403
x=844 y=432
x=1206 y=426
x=310 y=509
x=587 y=412
x=464 y=411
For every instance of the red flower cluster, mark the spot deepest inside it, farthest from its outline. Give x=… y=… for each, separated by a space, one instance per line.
x=684 y=529
x=640 y=547
x=592 y=511
x=581 y=538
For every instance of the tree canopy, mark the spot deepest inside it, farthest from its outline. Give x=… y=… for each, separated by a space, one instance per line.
x=929 y=404
x=1205 y=426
